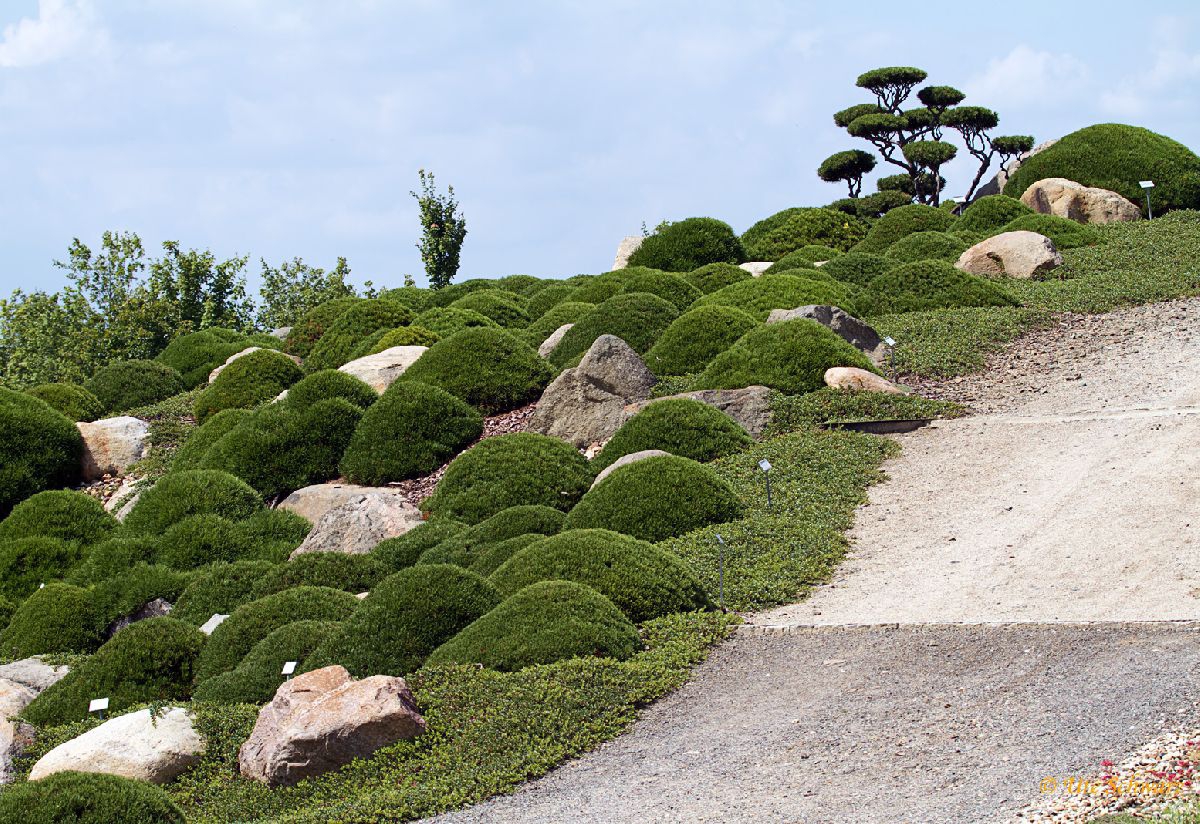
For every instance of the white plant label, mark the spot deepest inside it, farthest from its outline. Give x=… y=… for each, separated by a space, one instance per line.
x=289 y=667
x=97 y=704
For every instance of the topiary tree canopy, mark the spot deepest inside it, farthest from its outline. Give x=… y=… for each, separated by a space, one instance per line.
x=848 y=167
x=696 y=337
x=128 y=384
x=681 y=426
x=249 y=381
x=39 y=448
x=689 y=244
x=72 y=401
x=637 y=318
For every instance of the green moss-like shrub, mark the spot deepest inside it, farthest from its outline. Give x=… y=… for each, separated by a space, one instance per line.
x=689 y=244
x=193 y=492
x=1066 y=233
x=415 y=298
x=524 y=285
x=39 y=448
x=933 y=284
x=463 y=547
x=351 y=326
x=566 y=312
x=546 y=299
x=786 y=291
x=670 y=287
x=247 y=382
x=445 y=321
x=857 y=268
x=899 y=223
x=792 y=229
x=64 y=514
x=926 y=246
x=404 y=550
x=88 y=798
x=510 y=470
x=67 y=399
x=1116 y=157
x=250 y=623
x=314 y=324
x=326 y=385
x=643 y=581
x=696 y=337
x=56 y=618
x=407 y=616
x=256 y=678
x=791 y=357
x=205 y=436
x=26 y=563
x=446 y=295
x=129 y=384
x=272 y=534
x=197 y=540
x=377 y=342
x=411 y=430
x=657 y=498
x=988 y=214
x=601 y=287
x=806 y=257
x=128 y=591
x=151 y=660
x=113 y=557
x=505 y=308
x=546 y=622
x=716 y=276
x=491 y=369
x=636 y=318
x=492 y=556
x=336 y=570
x=681 y=426
x=219 y=588
x=196 y=354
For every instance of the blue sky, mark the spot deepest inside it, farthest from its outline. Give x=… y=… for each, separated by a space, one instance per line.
x=278 y=128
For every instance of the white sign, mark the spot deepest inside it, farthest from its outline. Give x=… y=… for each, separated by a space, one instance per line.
x=720 y=540
x=889 y=341
x=98 y=705
x=1147 y=184
x=289 y=667
x=764 y=465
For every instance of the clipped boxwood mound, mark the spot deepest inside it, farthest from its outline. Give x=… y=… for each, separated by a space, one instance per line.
x=258 y=676
x=113 y=557
x=219 y=588
x=196 y=354
x=205 y=436
x=39 y=448
x=568 y=311
x=689 y=244
x=643 y=581
x=857 y=268
x=68 y=399
x=65 y=514
x=637 y=318
x=933 y=284
x=149 y=660
x=357 y=322
x=125 y=593
x=88 y=798
x=670 y=287
x=191 y=492
x=1116 y=157
x=716 y=276
x=491 y=369
x=791 y=357
x=404 y=550
x=326 y=385
x=376 y=342
x=445 y=321
x=446 y=295
x=407 y=616
x=56 y=618
x=806 y=257
x=413 y=297
x=902 y=222
x=696 y=337
x=197 y=540
x=26 y=563
x=926 y=246
x=546 y=299
x=128 y=384
x=524 y=285
x=760 y=295
x=792 y=229
x=250 y=623
x=545 y=622
x=681 y=426
x=505 y=308
x=492 y=557
x=272 y=534
x=313 y=324
x=465 y=546
x=989 y=213
x=1066 y=233
x=510 y=470
x=248 y=381
x=336 y=570
x=599 y=288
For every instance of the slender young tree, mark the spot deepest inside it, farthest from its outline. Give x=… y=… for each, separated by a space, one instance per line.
x=443 y=229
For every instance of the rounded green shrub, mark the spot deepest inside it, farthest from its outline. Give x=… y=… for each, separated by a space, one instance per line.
x=56 y=618
x=26 y=563
x=792 y=229
x=696 y=337
x=192 y=492
x=926 y=246
x=524 y=285
x=636 y=318
x=445 y=321
x=657 y=498
x=39 y=448
x=546 y=622
x=600 y=288
x=991 y=212
x=128 y=384
x=510 y=470
x=219 y=588
x=314 y=323
x=716 y=276
x=681 y=426
x=901 y=222
x=205 y=436
x=351 y=326
x=196 y=354
x=256 y=678
x=247 y=382
x=272 y=534
x=113 y=557
x=148 y=661
x=670 y=287
x=689 y=244
x=67 y=399
x=128 y=591
x=505 y=308
x=377 y=342
x=806 y=257
x=415 y=298
x=404 y=550
x=933 y=284
x=336 y=570
x=64 y=514
x=446 y=295
x=326 y=385
x=643 y=581
x=88 y=798
x=197 y=540
x=566 y=312
x=786 y=291
x=407 y=616
x=250 y=623
x=491 y=369
x=492 y=556
x=546 y=299
x=858 y=268
x=1066 y=233
x=464 y=546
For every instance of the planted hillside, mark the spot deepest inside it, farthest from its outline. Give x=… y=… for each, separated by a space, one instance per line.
x=792 y=229
x=786 y=291
x=128 y=384
x=683 y=427
x=638 y=318
x=693 y=339
x=355 y=322
x=933 y=284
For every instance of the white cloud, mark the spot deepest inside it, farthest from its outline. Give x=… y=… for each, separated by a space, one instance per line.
x=1164 y=84
x=61 y=28
x=1027 y=77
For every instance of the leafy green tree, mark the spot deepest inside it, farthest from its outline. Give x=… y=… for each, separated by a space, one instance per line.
x=443 y=230
x=848 y=166
x=294 y=287
x=202 y=292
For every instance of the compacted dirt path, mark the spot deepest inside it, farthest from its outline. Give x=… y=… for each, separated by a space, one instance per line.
x=1021 y=600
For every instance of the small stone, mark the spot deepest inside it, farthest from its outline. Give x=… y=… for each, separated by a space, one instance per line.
x=625 y=460
x=859 y=380
x=212 y=623
x=379 y=371
x=554 y=340
x=756 y=267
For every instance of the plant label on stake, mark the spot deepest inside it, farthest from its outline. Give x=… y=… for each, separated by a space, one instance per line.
x=289 y=667
x=765 y=466
x=1147 y=185
x=98 y=705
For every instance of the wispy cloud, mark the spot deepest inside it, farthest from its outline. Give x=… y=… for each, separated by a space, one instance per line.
x=60 y=29
x=1166 y=83
x=1028 y=77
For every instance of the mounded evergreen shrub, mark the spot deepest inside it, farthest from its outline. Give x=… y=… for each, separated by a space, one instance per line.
x=524 y=285
x=681 y=426
x=806 y=257
x=452 y=292
x=56 y=618
x=272 y=534
x=197 y=540
x=716 y=276
x=64 y=514
x=128 y=384
x=566 y=312
x=637 y=318
x=407 y=616
x=351 y=326
x=492 y=556
x=257 y=677
x=643 y=581
x=505 y=308
x=404 y=550
x=328 y=384
x=926 y=246
x=902 y=222
x=546 y=622
x=336 y=570
x=113 y=557
x=219 y=588
x=510 y=470
x=792 y=229
x=26 y=563
x=196 y=354
x=1066 y=233
x=445 y=321
x=88 y=798
x=696 y=337
x=791 y=357
x=657 y=498
x=376 y=342
x=546 y=299
x=128 y=591
x=205 y=436
x=411 y=430
x=316 y=322
x=990 y=213
x=192 y=492
x=463 y=547
x=491 y=369
x=933 y=284
x=69 y=400
x=786 y=291
x=248 y=381
x=858 y=268
x=599 y=288
x=666 y=285
x=39 y=448
x=415 y=298
x=689 y=244
x=151 y=660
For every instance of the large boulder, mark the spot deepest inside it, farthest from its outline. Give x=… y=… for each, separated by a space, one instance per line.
x=749 y=406
x=853 y=379
x=1084 y=204
x=20 y=682
x=379 y=371
x=112 y=445
x=358 y=525
x=312 y=502
x=625 y=460
x=138 y=745
x=323 y=720
x=756 y=267
x=554 y=340
x=1011 y=254
x=585 y=405
x=33 y=673
x=625 y=250
x=861 y=336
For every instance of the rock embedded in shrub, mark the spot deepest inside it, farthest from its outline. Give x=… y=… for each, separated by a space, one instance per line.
x=548 y=345
x=39 y=448
x=786 y=291
x=248 y=381
x=1083 y=204
x=111 y=446
x=625 y=460
x=193 y=492
x=859 y=380
x=1011 y=254
x=379 y=371
x=749 y=406
x=312 y=502
x=862 y=336
x=361 y=523
x=88 y=798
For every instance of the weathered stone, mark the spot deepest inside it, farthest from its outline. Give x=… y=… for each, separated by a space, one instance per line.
x=282 y=332
x=358 y=525
x=757 y=267
x=625 y=460
x=212 y=376
x=554 y=340
x=996 y=185
x=158 y=608
x=33 y=673
x=312 y=502
x=859 y=380
x=749 y=406
x=212 y=623
x=379 y=371
x=112 y=445
x=625 y=250
x=1084 y=204
x=849 y=328
x=322 y=720
x=136 y=745
x=117 y=501
x=586 y=404
x=1011 y=254
x=14 y=734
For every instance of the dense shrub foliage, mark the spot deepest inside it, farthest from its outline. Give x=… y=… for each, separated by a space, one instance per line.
x=256 y=678
x=1066 y=233
x=806 y=257
x=127 y=384
x=205 y=436
x=328 y=384
x=786 y=291
x=418 y=300
x=196 y=354
x=492 y=556
x=26 y=563
x=464 y=546
x=71 y=516
x=56 y=618
x=696 y=337
x=198 y=540
x=546 y=299
x=69 y=400
x=933 y=284
x=505 y=308
x=337 y=570
x=637 y=318
x=315 y=323
x=404 y=550
x=715 y=276
x=857 y=268
x=569 y=311
x=902 y=222
x=681 y=426
x=273 y=533
x=113 y=557
x=219 y=588
x=87 y=798
x=491 y=369
x=129 y=590
x=248 y=381
x=39 y=448
x=689 y=244
x=445 y=321
x=926 y=246
x=191 y=492
x=792 y=229
x=989 y=214
x=670 y=287
x=596 y=289
x=358 y=321
x=377 y=342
